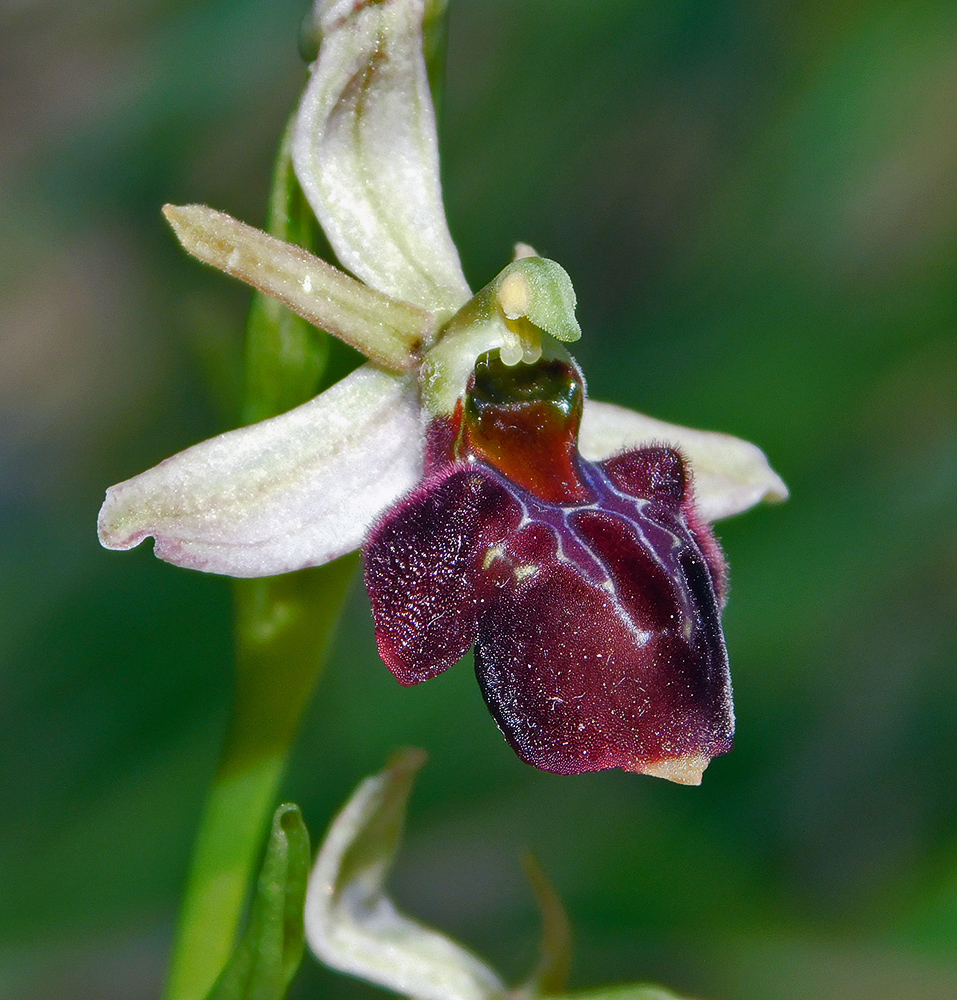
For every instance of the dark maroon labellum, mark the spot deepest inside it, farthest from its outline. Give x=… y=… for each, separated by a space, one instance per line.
x=591 y=592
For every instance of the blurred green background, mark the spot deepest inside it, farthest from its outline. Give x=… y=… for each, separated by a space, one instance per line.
x=757 y=203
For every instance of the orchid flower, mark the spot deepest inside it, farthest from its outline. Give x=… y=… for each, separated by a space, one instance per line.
x=496 y=505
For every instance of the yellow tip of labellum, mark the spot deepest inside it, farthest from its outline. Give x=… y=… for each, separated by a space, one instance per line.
x=683 y=770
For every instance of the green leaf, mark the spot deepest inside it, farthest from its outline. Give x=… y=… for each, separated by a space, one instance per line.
x=269 y=953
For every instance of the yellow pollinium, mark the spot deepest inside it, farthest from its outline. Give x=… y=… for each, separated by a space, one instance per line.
x=522 y=339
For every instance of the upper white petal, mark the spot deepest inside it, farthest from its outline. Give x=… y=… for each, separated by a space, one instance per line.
x=366 y=154
x=297 y=490
x=730 y=475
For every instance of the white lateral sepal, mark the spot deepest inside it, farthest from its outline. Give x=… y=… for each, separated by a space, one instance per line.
x=298 y=490
x=730 y=475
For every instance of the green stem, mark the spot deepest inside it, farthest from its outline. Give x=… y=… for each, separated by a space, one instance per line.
x=284 y=626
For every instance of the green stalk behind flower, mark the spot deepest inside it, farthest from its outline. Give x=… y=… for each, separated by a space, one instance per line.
x=283 y=629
